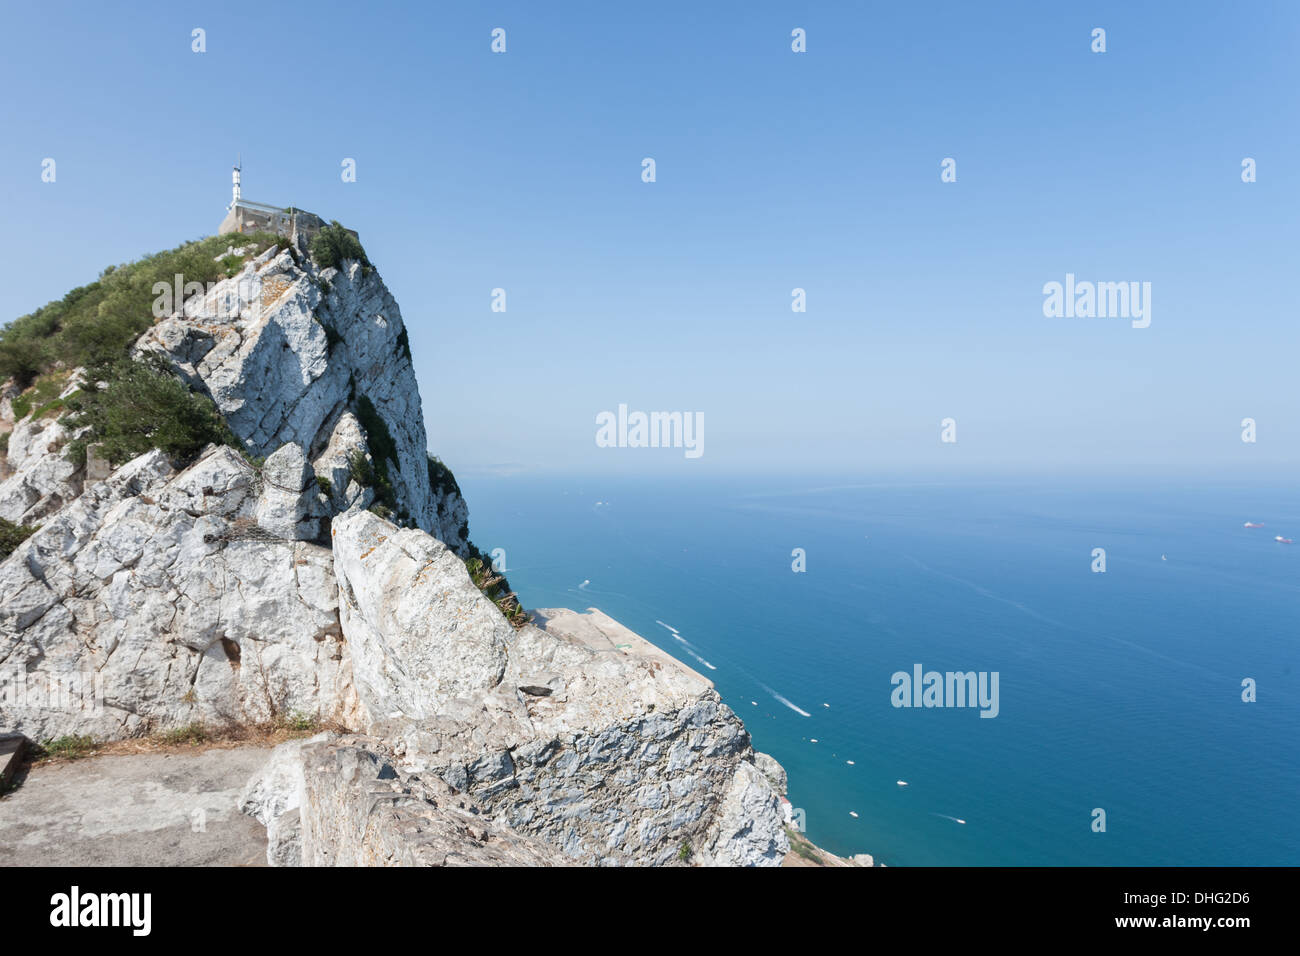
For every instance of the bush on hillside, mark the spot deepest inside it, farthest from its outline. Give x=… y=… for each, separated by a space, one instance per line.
x=441 y=480
x=144 y=406
x=333 y=245
x=494 y=586
x=12 y=535
x=95 y=324
x=44 y=391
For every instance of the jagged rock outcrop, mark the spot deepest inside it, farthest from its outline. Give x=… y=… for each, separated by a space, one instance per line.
x=290 y=352
x=274 y=797
x=339 y=801
x=358 y=810
x=576 y=731
x=291 y=505
x=424 y=636
x=158 y=598
x=41 y=479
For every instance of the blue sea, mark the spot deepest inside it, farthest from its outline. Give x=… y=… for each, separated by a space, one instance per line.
x=1119 y=690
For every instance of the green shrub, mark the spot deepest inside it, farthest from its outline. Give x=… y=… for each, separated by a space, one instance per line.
x=373 y=472
x=22 y=359
x=441 y=480
x=70 y=746
x=43 y=390
x=193 y=733
x=333 y=245
x=300 y=722
x=324 y=484
x=56 y=406
x=495 y=587
x=378 y=437
x=12 y=535
x=142 y=407
x=332 y=337
x=360 y=468
x=802 y=847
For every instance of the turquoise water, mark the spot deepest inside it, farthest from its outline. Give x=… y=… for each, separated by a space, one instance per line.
x=1119 y=690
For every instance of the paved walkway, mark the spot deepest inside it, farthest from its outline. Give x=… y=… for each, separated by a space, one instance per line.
x=173 y=809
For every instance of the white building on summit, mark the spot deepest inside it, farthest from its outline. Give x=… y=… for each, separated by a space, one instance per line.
x=245 y=216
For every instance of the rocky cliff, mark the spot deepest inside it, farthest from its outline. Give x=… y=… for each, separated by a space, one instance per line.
x=318 y=358
x=314 y=565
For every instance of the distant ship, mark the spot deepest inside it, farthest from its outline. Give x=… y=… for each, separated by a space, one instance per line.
x=1282 y=539
x=1251 y=524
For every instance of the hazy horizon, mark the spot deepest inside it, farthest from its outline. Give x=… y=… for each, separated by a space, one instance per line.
x=775 y=170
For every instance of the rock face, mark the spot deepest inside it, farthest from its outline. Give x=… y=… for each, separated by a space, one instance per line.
x=155 y=599
x=42 y=480
x=329 y=801
x=290 y=505
x=358 y=810
x=274 y=797
x=577 y=731
x=424 y=635
x=290 y=352
x=236 y=589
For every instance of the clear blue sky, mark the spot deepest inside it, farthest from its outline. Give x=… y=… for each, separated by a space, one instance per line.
x=775 y=170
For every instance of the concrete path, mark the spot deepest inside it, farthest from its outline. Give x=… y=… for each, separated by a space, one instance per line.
x=174 y=809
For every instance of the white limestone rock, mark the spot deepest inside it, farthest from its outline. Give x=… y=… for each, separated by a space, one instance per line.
x=273 y=797
x=360 y=810
x=258 y=345
x=749 y=827
x=290 y=505
x=162 y=588
x=42 y=478
x=422 y=634
x=334 y=463
x=773 y=771
x=577 y=731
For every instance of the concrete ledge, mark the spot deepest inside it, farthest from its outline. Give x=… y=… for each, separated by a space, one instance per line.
x=12 y=747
